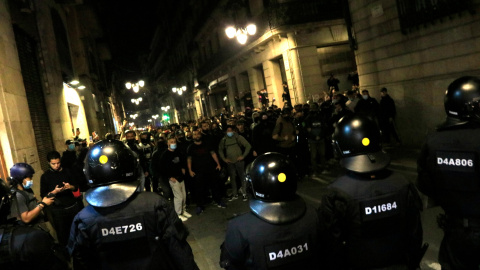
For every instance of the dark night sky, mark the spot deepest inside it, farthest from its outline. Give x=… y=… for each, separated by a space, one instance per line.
x=129 y=28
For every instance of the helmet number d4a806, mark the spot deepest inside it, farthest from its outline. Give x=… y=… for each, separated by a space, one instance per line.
x=455 y=161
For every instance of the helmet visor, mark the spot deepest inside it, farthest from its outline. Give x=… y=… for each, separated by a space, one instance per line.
x=366 y=163
x=110 y=195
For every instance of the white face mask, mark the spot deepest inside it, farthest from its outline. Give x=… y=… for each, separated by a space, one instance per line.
x=365 y=96
x=28 y=185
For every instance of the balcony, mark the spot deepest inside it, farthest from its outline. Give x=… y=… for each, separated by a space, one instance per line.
x=414 y=13
x=299 y=12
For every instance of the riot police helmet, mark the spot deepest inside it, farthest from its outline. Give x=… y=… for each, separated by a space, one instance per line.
x=111 y=169
x=273 y=179
x=356 y=141
x=462 y=99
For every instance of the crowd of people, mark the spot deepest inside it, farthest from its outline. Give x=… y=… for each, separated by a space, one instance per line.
x=369 y=217
x=219 y=148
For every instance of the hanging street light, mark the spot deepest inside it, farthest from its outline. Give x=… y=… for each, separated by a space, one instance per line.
x=241 y=33
x=137 y=100
x=179 y=90
x=135 y=86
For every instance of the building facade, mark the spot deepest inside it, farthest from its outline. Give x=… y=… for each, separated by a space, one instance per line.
x=297 y=42
x=413 y=48
x=44 y=46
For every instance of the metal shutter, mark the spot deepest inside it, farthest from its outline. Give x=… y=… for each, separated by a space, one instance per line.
x=27 y=53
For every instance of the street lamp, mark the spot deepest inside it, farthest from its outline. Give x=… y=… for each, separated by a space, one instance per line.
x=179 y=90
x=75 y=84
x=135 y=86
x=133 y=116
x=165 y=108
x=241 y=33
x=137 y=100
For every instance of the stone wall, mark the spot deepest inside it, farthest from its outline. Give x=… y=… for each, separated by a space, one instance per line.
x=16 y=131
x=416 y=67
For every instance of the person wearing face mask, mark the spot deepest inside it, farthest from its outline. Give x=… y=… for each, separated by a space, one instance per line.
x=182 y=144
x=69 y=156
x=353 y=99
x=25 y=208
x=131 y=141
x=262 y=141
x=203 y=166
x=233 y=149
x=156 y=168
x=25 y=247
x=316 y=124
x=173 y=163
x=367 y=106
x=340 y=111
x=285 y=134
x=255 y=119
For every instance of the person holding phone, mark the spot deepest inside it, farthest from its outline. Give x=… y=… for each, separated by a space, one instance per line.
x=65 y=206
x=25 y=207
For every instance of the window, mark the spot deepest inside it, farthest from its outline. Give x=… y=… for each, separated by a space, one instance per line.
x=95 y=103
x=414 y=13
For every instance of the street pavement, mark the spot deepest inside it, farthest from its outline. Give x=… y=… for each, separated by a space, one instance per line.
x=207 y=230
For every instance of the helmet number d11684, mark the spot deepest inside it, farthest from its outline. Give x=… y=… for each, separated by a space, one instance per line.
x=380 y=208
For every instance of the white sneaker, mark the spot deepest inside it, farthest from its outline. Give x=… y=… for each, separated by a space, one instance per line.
x=182 y=218
x=186 y=214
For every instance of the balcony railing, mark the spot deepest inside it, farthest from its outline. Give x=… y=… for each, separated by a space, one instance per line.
x=414 y=13
x=303 y=11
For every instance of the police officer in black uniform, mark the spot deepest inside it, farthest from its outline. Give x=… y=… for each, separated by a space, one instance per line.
x=280 y=231
x=25 y=247
x=122 y=228
x=370 y=216
x=448 y=172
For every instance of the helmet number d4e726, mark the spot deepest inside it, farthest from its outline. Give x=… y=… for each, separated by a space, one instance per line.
x=122 y=229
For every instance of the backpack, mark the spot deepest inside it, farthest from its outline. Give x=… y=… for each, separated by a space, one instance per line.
x=242 y=148
x=24 y=194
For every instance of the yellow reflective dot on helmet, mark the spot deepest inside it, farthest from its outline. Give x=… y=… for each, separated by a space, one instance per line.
x=103 y=159
x=282 y=177
x=365 y=141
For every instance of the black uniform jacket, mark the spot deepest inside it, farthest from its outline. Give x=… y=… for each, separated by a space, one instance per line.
x=253 y=243
x=142 y=233
x=449 y=170
x=371 y=223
